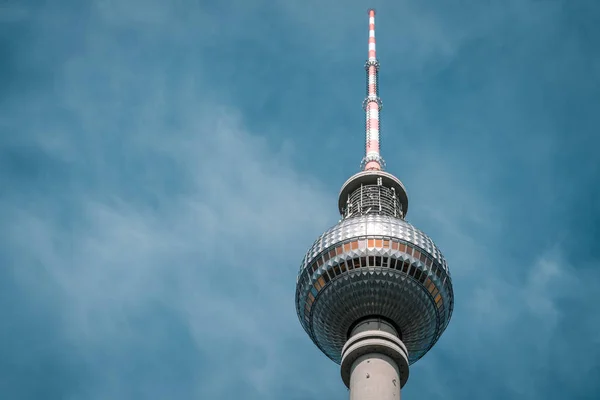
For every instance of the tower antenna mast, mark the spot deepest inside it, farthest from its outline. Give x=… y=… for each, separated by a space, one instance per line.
x=372 y=105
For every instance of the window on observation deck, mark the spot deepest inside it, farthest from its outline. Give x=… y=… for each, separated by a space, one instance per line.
x=429 y=285
x=384 y=262
x=417 y=254
x=336 y=270
x=417 y=274
x=321 y=282
x=405 y=266
x=313 y=268
x=412 y=270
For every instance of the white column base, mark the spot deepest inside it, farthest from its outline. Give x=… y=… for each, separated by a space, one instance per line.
x=374 y=377
x=374 y=365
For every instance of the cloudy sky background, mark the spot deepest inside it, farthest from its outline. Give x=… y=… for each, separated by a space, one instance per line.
x=165 y=164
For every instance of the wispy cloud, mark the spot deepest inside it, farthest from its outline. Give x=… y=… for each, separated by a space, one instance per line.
x=166 y=170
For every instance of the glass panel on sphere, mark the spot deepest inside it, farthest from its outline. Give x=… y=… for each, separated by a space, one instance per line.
x=416 y=254
x=405 y=266
x=418 y=274
x=321 y=282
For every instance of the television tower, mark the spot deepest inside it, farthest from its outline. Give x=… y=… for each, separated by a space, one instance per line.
x=373 y=292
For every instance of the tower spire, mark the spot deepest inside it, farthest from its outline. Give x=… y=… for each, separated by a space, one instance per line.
x=372 y=105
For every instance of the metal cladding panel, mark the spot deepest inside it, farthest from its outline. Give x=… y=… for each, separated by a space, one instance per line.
x=341 y=298
x=376 y=292
x=374 y=225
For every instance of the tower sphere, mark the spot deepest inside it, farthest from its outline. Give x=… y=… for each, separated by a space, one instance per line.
x=374 y=264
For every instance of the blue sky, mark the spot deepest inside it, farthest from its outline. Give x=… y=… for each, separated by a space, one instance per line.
x=165 y=164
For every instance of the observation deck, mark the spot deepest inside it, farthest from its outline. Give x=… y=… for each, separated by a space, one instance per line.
x=374 y=264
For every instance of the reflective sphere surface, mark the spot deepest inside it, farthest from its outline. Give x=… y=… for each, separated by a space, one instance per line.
x=374 y=265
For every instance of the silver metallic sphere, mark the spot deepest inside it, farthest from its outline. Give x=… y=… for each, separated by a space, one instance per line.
x=374 y=264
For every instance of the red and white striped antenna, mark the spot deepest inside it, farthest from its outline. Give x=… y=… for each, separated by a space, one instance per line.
x=372 y=105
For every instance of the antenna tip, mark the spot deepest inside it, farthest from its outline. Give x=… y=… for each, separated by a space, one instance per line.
x=371 y=12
